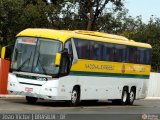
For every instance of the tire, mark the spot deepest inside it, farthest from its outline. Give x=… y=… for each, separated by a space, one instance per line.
x=75 y=97
x=131 y=97
x=124 y=98
x=31 y=100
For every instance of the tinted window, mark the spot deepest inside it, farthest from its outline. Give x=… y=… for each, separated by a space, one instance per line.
x=94 y=50
x=131 y=55
x=82 y=47
x=147 y=56
x=143 y=56
x=120 y=53
x=108 y=52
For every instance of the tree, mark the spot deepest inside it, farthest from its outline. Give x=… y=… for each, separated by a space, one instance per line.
x=85 y=14
x=16 y=15
x=93 y=9
x=10 y=19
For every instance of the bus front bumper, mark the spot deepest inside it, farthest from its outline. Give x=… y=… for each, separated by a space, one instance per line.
x=42 y=92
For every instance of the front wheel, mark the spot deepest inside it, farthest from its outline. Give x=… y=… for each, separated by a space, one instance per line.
x=75 y=97
x=31 y=100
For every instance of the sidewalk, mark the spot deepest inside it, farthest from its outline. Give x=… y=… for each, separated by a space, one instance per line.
x=11 y=96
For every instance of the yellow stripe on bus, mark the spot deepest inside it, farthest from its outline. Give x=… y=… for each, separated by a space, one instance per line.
x=111 y=67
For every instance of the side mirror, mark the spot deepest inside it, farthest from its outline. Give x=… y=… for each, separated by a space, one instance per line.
x=58 y=59
x=3 y=51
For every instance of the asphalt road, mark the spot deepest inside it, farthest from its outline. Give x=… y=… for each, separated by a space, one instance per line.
x=141 y=110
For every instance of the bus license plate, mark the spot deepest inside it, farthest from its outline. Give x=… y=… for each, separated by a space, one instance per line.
x=27 y=89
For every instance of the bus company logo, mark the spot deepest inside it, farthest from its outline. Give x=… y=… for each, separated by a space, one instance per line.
x=123 y=68
x=99 y=67
x=27 y=89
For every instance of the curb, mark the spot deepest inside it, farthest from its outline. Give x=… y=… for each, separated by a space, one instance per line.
x=152 y=98
x=11 y=96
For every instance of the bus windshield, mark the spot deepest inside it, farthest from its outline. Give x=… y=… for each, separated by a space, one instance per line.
x=35 y=55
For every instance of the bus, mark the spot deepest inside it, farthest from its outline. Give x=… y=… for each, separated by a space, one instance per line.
x=78 y=65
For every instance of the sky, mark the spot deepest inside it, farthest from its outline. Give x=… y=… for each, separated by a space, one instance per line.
x=146 y=8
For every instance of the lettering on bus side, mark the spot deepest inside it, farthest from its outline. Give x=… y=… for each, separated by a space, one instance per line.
x=137 y=68
x=99 y=67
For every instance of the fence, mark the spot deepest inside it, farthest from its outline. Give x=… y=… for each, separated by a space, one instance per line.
x=154 y=85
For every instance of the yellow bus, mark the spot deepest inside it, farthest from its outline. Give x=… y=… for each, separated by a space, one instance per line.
x=78 y=65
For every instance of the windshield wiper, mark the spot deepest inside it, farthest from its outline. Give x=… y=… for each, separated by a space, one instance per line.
x=44 y=70
x=38 y=61
x=21 y=66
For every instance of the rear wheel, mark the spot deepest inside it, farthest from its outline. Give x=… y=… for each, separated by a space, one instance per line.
x=132 y=96
x=124 y=98
x=31 y=100
x=75 y=97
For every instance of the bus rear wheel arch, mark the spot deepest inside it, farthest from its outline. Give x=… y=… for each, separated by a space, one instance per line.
x=124 y=97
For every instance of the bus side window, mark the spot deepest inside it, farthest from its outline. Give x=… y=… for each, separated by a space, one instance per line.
x=144 y=56
x=120 y=53
x=108 y=52
x=132 y=54
x=95 y=50
x=82 y=47
x=147 y=56
x=68 y=45
x=141 y=56
x=77 y=47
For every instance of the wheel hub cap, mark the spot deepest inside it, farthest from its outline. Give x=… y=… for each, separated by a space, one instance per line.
x=74 y=96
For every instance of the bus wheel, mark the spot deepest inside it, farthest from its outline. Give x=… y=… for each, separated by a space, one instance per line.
x=31 y=100
x=132 y=96
x=124 y=99
x=75 y=96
